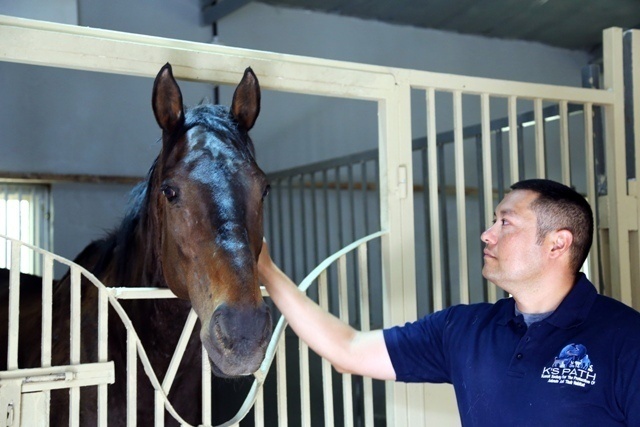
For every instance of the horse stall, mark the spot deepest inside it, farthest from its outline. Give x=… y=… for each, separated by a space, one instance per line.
x=355 y=232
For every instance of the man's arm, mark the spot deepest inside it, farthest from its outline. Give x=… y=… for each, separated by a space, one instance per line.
x=348 y=350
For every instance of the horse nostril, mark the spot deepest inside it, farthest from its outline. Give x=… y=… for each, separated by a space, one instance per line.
x=240 y=328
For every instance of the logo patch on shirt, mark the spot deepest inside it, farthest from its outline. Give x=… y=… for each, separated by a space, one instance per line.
x=572 y=366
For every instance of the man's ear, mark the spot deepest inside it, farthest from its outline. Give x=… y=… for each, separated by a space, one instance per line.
x=561 y=241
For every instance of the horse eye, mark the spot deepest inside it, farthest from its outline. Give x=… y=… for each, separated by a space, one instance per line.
x=169 y=193
x=265 y=193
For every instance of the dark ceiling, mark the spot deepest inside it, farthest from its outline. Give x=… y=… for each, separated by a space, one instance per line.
x=571 y=24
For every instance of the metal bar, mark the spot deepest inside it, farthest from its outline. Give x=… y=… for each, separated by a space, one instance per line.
x=281 y=366
x=206 y=388
x=305 y=384
x=314 y=219
x=181 y=346
x=426 y=217
x=292 y=228
x=436 y=260
x=347 y=393
x=132 y=378
x=281 y=234
x=339 y=222
x=14 y=306
x=513 y=139
x=327 y=380
x=365 y=196
x=365 y=319
x=61 y=377
x=564 y=144
x=487 y=178
x=327 y=220
x=103 y=354
x=500 y=164
x=592 y=195
x=75 y=336
x=303 y=225
x=463 y=267
x=258 y=409
x=47 y=310
x=539 y=138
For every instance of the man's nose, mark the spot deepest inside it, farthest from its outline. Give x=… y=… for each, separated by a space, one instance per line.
x=488 y=236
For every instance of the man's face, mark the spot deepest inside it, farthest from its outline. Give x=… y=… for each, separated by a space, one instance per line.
x=512 y=256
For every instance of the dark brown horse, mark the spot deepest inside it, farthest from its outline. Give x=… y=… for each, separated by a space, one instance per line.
x=195 y=226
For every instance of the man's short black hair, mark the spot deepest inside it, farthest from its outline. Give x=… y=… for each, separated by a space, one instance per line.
x=559 y=207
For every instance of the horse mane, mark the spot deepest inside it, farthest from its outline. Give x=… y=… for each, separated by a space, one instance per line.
x=117 y=250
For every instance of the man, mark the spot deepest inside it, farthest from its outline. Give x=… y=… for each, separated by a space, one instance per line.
x=556 y=353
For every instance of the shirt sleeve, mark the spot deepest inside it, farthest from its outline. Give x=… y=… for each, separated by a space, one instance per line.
x=417 y=350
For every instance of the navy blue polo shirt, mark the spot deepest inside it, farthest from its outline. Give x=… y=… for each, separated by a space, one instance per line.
x=579 y=366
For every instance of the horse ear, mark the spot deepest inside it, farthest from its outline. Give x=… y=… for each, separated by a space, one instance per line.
x=246 y=100
x=167 y=100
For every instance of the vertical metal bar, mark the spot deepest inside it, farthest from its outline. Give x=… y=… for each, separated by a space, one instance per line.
x=432 y=147
x=314 y=219
x=75 y=327
x=365 y=320
x=352 y=237
x=305 y=384
x=539 y=139
x=487 y=179
x=206 y=388
x=500 y=164
x=14 y=306
x=327 y=220
x=347 y=393
x=258 y=409
x=339 y=207
x=365 y=198
x=281 y=366
x=103 y=354
x=564 y=143
x=513 y=139
x=327 y=380
x=482 y=217
x=303 y=224
x=7 y=248
x=463 y=266
x=292 y=229
x=132 y=377
x=272 y=215
x=426 y=216
x=521 y=164
x=158 y=409
x=47 y=313
x=281 y=230
x=592 y=195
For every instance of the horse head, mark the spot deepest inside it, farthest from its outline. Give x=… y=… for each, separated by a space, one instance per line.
x=206 y=198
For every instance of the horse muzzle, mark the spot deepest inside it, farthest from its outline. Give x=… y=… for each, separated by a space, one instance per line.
x=236 y=339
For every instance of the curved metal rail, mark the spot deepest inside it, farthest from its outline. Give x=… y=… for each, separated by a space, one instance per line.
x=161 y=390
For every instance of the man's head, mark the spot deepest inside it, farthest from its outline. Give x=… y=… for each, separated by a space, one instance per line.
x=559 y=207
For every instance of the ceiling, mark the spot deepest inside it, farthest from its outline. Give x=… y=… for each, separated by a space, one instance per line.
x=571 y=24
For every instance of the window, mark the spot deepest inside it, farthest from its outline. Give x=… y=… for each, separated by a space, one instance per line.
x=26 y=215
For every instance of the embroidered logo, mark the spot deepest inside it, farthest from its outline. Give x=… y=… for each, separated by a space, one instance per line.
x=572 y=366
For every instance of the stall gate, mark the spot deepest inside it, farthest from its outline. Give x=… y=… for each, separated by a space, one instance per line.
x=56 y=45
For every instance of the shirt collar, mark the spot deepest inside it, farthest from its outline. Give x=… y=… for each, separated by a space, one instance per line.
x=575 y=307
x=572 y=311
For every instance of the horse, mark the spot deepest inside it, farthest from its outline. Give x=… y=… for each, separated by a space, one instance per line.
x=195 y=226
